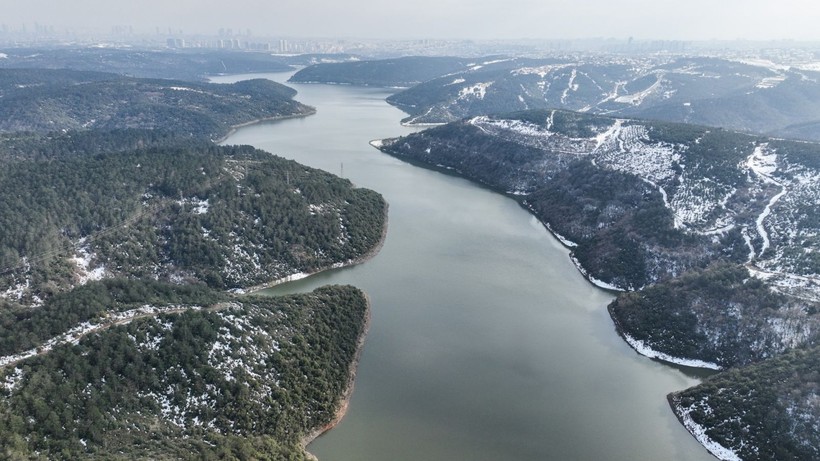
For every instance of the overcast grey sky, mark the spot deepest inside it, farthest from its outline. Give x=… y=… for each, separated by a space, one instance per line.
x=476 y=19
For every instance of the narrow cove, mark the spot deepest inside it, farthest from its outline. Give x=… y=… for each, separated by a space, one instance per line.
x=485 y=343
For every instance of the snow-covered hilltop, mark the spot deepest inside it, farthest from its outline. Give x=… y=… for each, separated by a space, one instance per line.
x=183 y=378
x=739 y=94
x=244 y=218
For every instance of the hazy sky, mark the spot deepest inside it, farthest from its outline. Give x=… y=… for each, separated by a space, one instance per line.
x=476 y=19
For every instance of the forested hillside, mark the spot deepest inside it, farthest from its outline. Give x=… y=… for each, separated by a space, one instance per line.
x=750 y=96
x=125 y=228
x=720 y=315
x=210 y=378
x=713 y=235
x=767 y=411
x=190 y=64
x=55 y=100
x=399 y=72
x=229 y=217
x=642 y=201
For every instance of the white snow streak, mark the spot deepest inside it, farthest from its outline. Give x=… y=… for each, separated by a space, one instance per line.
x=647 y=351
x=13 y=380
x=74 y=335
x=637 y=98
x=699 y=432
x=541 y=71
x=764 y=165
x=610 y=134
x=571 y=86
x=478 y=91
x=82 y=259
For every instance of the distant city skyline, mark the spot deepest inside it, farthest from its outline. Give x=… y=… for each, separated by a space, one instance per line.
x=434 y=19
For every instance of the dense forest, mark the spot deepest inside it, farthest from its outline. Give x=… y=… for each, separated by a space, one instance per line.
x=766 y=411
x=229 y=217
x=55 y=100
x=719 y=314
x=190 y=64
x=125 y=229
x=245 y=379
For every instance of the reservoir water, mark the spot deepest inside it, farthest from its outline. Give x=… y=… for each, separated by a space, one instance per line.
x=486 y=343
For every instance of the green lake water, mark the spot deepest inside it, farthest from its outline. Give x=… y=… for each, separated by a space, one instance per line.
x=486 y=343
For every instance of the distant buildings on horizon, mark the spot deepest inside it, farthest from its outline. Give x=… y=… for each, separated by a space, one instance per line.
x=244 y=40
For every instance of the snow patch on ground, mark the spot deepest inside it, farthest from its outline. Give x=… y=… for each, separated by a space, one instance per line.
x=602 y=284
x=615 y=93
x=253 y=344
x=73 y=335
x=609 y=135
x=770 y=82
x=518 y=127
x=18 y=290
x=593 y=280
x=636 y=99
x=571 y=86
x=533 y=135
x=82 y=259
x=565 y=241
x=764 y=164
x=197 y=205
x=201 y=207
x=699 y=432
x=765 y=63
x=413 y=121
x=541 y=71
x=799 y=286
x=792 y=330
x=290 y=278
x=643 y=349
x=697 y=206
x=496 y=61
x=628 y=149
x=478 y=91
x=184 y=88
x=13 y=379
x=241 y=353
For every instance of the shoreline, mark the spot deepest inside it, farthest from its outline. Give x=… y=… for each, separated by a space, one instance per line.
x=367 y=256
x=381 y=144
x=699 y=432
x=344 y=399
x=234 y=128
x=643 y=350
x=636 y=345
